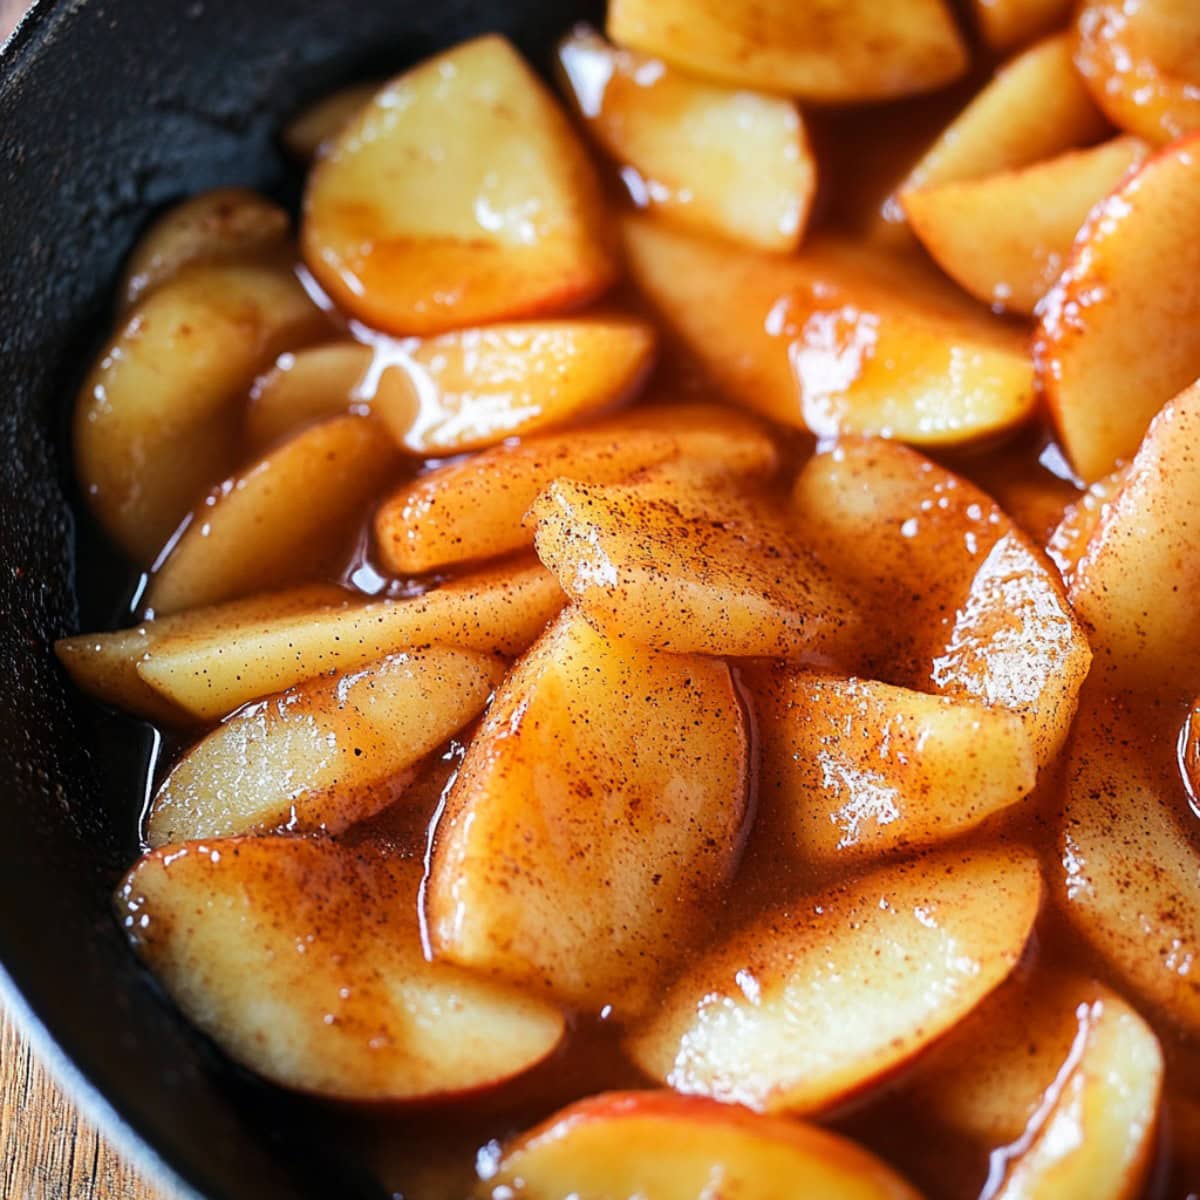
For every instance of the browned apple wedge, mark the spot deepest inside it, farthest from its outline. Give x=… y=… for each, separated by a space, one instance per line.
x=597 y=814
x=1135 y=586
x=961 y=602
x=1130 y=853
x=156 y=420
x=1008 y=23
x=853 y=768
x=459 y=195
x=303 y=961
x=827 y=994
x=326 y=753
x=105 y=664
x=224 y=225
x=838 y=339
x=474 y=509
x=313 y=130
x=686 y=148
x=670 y=1147
x=1080 y=520
x=211 y=669
x=690 y=561
x=280 y=520
x=1120 y=331
x=1031 y=216
x=825 y=50
x=1142 y=63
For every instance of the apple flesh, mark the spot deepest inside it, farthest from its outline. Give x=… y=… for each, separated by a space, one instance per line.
x=1008 y=23
x=302 y=960
x=1080 y=520
x=313 y=130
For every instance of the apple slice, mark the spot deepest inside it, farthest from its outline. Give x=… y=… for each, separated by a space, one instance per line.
x=156 y=420
x=211 y=669
x=837 y=340
x=474 y=509
x=686 y=148
x=832 y=51
x=303 y=388
x=822 y=997
x=853 y=768
x=224 y=225
x=105 y=664
x=1120 y=331
x=955 y=599
x=302 y=961
x=281 y=520
x=598 y=812
x=476 y=387
x=1142 y=64
x=669 y=1147
x=1008 y=23
x=313 y=130
x=326 y=753
x=1134 y=587
x=1032 y=216
x=459 y=195
x=690 y=562
x=1071 y=535
x=1130 y=854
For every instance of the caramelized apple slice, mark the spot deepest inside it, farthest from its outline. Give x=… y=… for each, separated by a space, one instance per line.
x=597 y=813
x=821 y=997
x=1135 y=586
x=156 y=420
x=1008 y=23
x=1130 y=850
x=1071 y=536
x=459 y=195
x=686 y=148
x=669 y=1147
x=303 y=388
x=1032 y=216
x=223 y=225
x=852 y=767
x=961 y=603
x=280 y=520
x=1120 y=331
x=474 y=509
x=211 y=669
x=1142 y=63
x=851 y=50
x=326 y=753
x=839 y=339
x=313 y=130
x=302 y=961
x=105 y=664
x=690 y=563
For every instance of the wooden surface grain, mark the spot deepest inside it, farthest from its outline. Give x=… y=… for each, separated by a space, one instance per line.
x=47 y=1151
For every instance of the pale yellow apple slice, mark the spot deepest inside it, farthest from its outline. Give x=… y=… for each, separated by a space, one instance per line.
x=1130 y=853
x=1031 y=216
x=958 y=600
x=690 y=563
x=156 y=420
x=476 y=387
x=224 y=225
x=302 y=961
x=597 y=814
x=825 y=50
x=1120 y=331
x=281 y=520
x=458 y=195
x=829 y=993
x=326 y=753
x=1079 y=521
x=668 y=1147
x=105 y=664
x=853 y=768
x=211 y=669
x=474 y=509
x=302 y=388
x=1142 y=64
x=1136 y=583
x=686 y=148
x=1008 y=23
x=311 y=132
x=838 y=339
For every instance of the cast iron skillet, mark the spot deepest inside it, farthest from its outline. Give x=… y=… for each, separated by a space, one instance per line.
x=108 y=110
